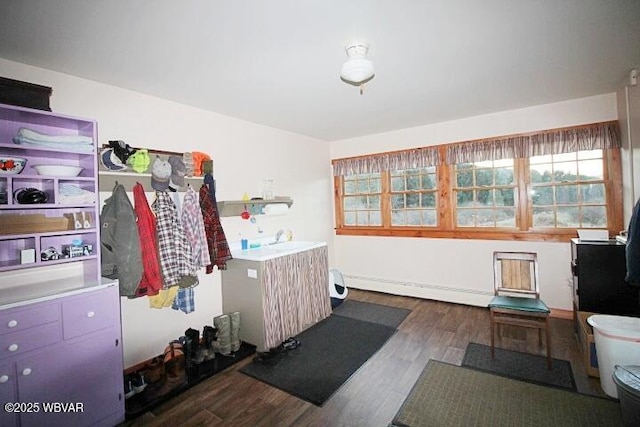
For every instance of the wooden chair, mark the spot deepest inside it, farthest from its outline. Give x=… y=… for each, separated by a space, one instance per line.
x=517 y=296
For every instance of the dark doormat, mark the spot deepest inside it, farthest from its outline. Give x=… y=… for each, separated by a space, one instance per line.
x=520 y=366
x=370 y=312
x=330 y=352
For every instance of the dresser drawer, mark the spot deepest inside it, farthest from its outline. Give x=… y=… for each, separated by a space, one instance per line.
x=23 y=341
x=18 y=319
x=90 y=312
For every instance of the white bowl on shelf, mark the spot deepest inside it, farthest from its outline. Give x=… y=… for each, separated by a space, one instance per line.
x=57 y=170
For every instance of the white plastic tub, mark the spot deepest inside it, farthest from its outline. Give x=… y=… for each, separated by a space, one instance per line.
x=617 y=343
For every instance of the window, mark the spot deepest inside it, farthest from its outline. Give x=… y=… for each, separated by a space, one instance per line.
x=414 y=197
x=485 y=194
x=540 y=186
x=568 y=190
x=362 y=200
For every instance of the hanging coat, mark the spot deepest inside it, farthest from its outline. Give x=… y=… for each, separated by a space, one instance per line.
x=633 y=247
x=120 y=246
x=219 y=251
x=151 y=281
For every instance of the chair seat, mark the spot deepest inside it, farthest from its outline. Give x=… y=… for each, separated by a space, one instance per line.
x=523 y=304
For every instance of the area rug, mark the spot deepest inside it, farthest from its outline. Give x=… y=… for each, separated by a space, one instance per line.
x=520 y=366
x=330 y=352
x=370 y=312
x=449 y=395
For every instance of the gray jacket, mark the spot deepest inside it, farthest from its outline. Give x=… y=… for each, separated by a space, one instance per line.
x=121 y=254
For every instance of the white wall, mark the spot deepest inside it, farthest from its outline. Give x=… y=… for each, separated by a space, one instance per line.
x=451 y=269
x=243 y=153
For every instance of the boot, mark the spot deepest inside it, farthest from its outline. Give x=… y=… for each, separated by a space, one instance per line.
x=223 y=324
x=209 y=337
x=235 y=331
x=195 y=350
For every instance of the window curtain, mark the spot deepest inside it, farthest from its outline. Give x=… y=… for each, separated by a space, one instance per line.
x=567 y=140
x=397 y=160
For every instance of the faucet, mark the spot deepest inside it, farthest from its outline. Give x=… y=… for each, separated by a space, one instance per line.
x=278 y=236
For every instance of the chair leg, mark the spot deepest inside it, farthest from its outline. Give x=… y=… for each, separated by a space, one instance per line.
x=492 y=336
x=546 y=330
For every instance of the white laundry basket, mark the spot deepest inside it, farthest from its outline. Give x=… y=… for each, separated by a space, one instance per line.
x=617 y=343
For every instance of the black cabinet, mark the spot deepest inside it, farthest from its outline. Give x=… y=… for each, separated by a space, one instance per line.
x=598 y=270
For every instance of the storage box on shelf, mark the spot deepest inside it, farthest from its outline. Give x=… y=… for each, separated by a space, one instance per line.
x=53 y=212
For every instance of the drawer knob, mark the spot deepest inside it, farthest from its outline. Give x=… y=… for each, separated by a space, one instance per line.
x=4 y=379
x=26 y=371
x=91 y=314
x=12 y=323
x=13 y=347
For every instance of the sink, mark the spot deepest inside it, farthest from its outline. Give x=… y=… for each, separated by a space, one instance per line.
x=275 y=250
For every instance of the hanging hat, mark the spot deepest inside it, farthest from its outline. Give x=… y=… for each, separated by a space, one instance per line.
x=198 y=160
x=110 y=161
x=178 y=170
x=139 y=161
x=160 y=174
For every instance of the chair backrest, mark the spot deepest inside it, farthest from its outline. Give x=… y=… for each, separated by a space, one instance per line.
x=516 y=273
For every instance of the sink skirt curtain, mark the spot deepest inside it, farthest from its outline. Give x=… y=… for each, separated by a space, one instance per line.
x=296 y=294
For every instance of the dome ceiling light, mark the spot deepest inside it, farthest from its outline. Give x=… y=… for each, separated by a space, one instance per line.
x=358 y=70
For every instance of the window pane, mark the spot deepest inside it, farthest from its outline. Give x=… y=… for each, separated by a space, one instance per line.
x=428 y=200
x=414 y=218
x=374 y=202
x=349 y=187
x=465 y=218
x=349 y=218
x=566 y=194
x=593 y=154
x=541 y=173
x=397 y=184
x=485 y=198
x=363 y=186
x=428 y=182
x=429 y=217
x=563 y=157
x=591 y=170
x=535 y=160
x=542 y=196
x=398 y=218
x=413 y=182
x=505 y=218
x=397 y=201
x=594 y=216
x=413 y=200
x=505 y=197
x=544 y=217
x=375 y=218
x=349 y=203
x=484 y=218
x=592 y=193
x=464 y=198
x=568 y=217
x=464 y=178
x=504 y=176
x=565 y=172
x=374 y=185
x=484 y=177
x=362 y=218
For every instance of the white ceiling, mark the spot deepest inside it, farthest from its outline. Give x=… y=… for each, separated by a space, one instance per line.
x=277 y=62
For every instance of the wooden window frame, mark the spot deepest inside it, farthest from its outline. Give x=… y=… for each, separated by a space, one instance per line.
x=612 y=169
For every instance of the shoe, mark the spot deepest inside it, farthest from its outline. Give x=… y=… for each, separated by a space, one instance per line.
x=209 y=337
x=270 y=357
x=154 y=370
x=291 y=343
x=128 y=387
x=195 y=349
x=138 y=383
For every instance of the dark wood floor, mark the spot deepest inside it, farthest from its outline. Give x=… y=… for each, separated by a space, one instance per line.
x=373 y=395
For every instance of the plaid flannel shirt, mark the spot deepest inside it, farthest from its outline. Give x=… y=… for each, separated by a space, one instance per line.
x=219 y=251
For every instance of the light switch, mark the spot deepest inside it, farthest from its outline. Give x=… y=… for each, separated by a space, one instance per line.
x=253 y=273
